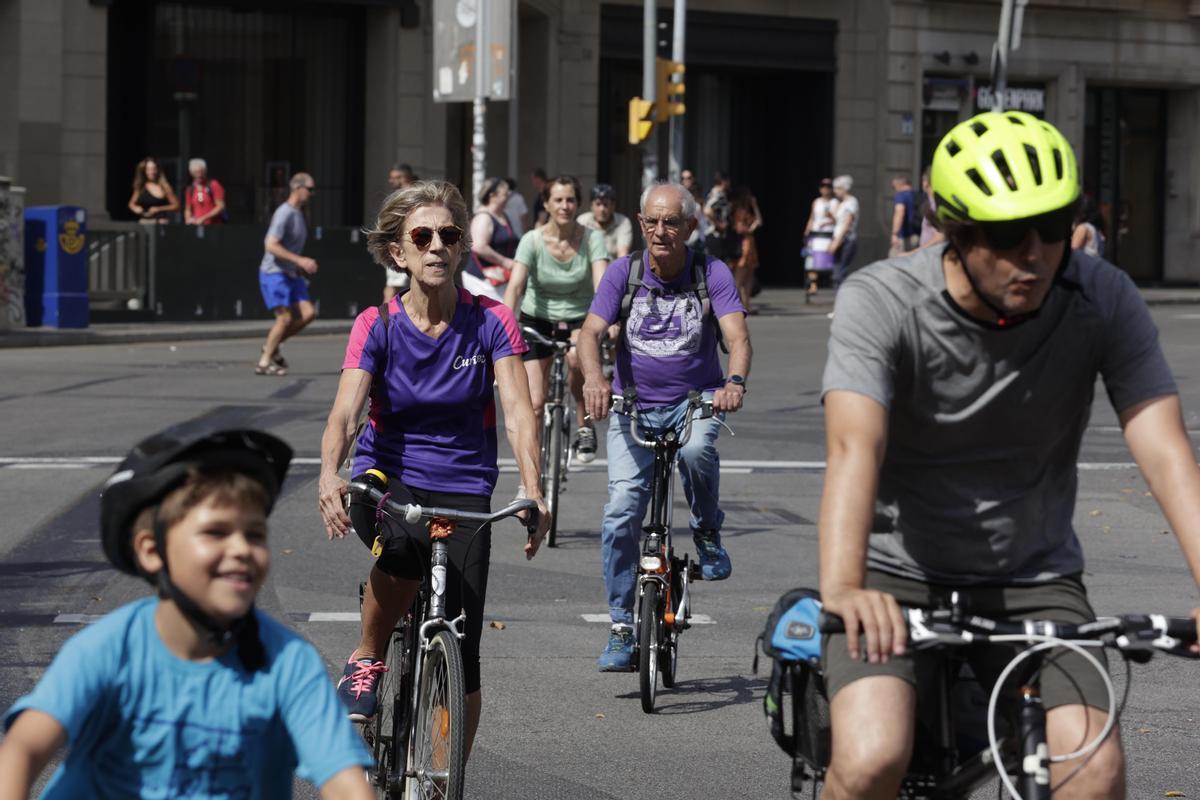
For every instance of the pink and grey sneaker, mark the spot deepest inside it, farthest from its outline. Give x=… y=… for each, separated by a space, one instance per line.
x=359 y=687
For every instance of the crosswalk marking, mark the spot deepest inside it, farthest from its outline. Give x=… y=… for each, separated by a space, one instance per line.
x=696 y=619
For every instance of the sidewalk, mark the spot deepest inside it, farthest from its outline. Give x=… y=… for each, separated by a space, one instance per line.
x=775 y=302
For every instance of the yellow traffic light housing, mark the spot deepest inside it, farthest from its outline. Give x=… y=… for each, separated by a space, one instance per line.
x=669 y=93
x=639 y=125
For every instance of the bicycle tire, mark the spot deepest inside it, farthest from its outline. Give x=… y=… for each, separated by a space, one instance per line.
x=668 y=661
x=649 y=625
x=382 y=728
x=441 y=715
x=552 y=475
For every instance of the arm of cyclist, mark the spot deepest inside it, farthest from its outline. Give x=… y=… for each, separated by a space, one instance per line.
x=737 y=339
x=855 y=438
x=349 y=784
x=514 y=292
x=1155 y=432
x=521 y=428
x=597 y=392
x=353 y=388
x=30 y=743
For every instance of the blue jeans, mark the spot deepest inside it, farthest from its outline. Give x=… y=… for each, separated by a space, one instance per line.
x=630 y=470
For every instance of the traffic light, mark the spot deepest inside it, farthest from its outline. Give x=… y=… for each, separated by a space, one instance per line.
x=668 y=94
x=639 y=125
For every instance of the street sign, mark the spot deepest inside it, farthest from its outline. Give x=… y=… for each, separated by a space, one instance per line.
x=455 y=29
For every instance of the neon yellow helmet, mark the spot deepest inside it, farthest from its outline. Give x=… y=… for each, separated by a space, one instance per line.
x=1001 y=166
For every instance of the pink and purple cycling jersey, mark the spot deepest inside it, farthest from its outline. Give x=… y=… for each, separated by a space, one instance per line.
x=669 y=346
x=432 y=416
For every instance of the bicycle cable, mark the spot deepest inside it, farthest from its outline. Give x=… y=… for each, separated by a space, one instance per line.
x=1039 y=644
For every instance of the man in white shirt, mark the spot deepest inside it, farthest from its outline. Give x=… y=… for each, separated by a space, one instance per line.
x=615 y=227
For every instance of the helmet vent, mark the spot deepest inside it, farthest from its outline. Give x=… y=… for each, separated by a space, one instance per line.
x=974 y=175
x=1005 y=170
x=1015 y=120
x=979 y=128
x=952 y=148
x=1035 y=164
x=1058 y=163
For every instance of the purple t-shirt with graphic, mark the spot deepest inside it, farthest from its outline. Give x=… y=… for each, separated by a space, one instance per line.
x=432 y=417
x=668 y=347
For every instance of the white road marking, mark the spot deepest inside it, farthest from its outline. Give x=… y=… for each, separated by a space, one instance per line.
x=77 y=619
x=334 y=616
x=696 y=619
x=64 y=465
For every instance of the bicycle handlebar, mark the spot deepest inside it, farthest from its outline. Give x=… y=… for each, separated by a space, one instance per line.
x=1128 y=632
x=412 y=512
x=558 y=344
x=626 y=406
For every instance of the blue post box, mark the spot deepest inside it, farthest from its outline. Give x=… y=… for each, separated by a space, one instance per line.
x=56 y=267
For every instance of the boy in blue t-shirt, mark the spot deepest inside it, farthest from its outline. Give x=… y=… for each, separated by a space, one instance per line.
x=194 y=693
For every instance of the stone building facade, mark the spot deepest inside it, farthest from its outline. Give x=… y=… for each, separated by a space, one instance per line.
x=780 y=92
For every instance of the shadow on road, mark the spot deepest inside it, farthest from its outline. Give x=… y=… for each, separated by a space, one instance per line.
x=733 y=690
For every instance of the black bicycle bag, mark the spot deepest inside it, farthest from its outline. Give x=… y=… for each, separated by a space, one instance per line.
x=796 y=688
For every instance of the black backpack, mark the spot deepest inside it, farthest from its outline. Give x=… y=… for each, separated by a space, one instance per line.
x=796 y=688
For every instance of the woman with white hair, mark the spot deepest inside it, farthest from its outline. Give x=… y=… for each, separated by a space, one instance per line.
x=845 y=232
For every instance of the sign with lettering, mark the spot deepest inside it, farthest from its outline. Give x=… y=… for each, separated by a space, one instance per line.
x=1017 y=97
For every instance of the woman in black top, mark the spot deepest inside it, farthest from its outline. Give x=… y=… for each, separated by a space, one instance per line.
x=153 y=199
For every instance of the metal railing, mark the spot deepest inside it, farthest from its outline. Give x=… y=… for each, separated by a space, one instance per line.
x=121 y=265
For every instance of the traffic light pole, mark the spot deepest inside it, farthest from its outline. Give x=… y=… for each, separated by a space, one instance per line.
x=649 y=36
x=679 y=27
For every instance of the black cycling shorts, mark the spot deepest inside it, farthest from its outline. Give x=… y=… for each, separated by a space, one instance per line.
x=407 y=552
x=546 y=328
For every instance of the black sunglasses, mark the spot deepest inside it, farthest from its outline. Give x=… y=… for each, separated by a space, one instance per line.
x=1052 y=228
x=422 y=236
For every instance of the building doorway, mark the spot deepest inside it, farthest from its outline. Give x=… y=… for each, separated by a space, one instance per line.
x=1124 y=165
x=760 y=94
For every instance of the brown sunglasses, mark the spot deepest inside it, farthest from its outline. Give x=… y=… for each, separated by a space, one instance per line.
x=422 y=236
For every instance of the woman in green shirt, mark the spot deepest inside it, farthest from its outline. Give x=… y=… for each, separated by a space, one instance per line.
x=555 y=274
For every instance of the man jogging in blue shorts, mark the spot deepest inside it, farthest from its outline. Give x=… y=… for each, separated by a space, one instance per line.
x=283 y=289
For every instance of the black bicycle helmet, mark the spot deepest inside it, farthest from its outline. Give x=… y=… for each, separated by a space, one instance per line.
x=160 y=464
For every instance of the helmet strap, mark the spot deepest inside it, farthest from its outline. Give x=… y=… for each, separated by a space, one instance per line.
x=219 y=634
x=1003 y=318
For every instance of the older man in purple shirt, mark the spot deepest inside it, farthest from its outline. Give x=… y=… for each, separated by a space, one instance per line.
x=668 y=348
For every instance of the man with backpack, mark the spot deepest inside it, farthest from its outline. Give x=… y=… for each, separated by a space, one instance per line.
x=205 y=198
x=675 y=307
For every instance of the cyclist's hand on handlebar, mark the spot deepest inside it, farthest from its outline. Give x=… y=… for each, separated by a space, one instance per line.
x=877 y=615
x=331 y=493
x=727 y=398
x=597 y=395
x=535 y=538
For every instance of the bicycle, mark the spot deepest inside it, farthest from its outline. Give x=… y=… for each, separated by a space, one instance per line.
x=946 y=765
x=418 y=736
x=556 y=435
x=663 y=607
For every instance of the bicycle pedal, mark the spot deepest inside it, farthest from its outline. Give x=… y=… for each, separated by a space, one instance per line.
x=695 y=573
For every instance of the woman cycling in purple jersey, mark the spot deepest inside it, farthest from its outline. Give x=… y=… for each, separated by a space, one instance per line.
x=427 y=366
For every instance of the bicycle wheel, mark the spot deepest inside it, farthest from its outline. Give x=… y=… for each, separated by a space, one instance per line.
x=552 y=446
x=437 y=752
x=648 y=629
x=669 y=655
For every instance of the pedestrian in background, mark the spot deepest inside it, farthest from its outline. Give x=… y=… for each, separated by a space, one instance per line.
x=818 y=235
x=153 y=199
x=687 y=178
x=493 y=240
x=904 y=216
x=1087 y=235
x=930 y=234
x=845 y=232
x=538 y=207
x=605 y=219
x=204 y=202
x=283 y=289
x=401 y=176
x=516 y=210
x=719 y=241
x=746 y=220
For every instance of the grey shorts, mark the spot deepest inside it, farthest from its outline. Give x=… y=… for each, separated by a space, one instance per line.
x=1067 y=679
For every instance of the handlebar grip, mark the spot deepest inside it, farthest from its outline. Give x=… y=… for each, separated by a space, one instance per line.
x=531 y=524
x=1182 y=628
x=830 y=623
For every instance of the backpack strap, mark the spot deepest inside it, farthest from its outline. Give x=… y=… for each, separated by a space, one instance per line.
x=700 y=284
x=633 y=282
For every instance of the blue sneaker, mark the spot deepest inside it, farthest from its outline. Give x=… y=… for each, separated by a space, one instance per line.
x=618 y=655
x=714 y=560
x=359 y=687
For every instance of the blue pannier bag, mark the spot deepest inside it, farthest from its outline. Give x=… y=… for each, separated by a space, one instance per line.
x=796 y=688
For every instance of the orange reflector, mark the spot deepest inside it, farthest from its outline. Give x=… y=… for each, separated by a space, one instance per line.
x=669 y=617
x=440 y=528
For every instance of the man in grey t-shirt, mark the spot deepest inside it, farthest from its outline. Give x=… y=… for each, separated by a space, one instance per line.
x=284 y=290
x=957 y=390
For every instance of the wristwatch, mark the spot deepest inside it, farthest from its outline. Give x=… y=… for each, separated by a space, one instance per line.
x=737 y=380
